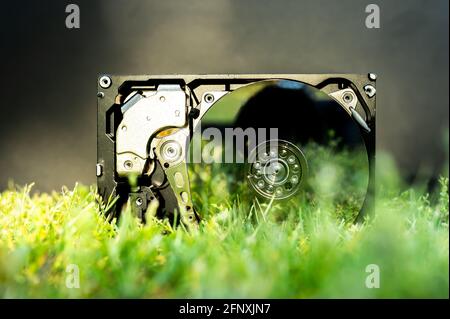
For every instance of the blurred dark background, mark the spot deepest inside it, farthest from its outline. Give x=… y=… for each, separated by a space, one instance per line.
x=49 y=73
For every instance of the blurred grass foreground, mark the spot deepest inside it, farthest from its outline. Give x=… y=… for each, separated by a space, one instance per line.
x=59 y=245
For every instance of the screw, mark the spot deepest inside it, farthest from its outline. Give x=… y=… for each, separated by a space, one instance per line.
x=370 y=90
x=291 y=159
x=105 y=81
x=171 y=151
x=372 y=76
x=348 y=97
x=101 y=95
x=128 y=164
x=209 y=98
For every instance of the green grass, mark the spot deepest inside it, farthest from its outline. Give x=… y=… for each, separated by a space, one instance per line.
x=243 y=249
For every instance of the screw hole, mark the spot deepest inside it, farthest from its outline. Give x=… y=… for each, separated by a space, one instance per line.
x=209 y=98
x=166 y=165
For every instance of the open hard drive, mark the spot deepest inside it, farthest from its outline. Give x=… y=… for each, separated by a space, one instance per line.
x=277 y=137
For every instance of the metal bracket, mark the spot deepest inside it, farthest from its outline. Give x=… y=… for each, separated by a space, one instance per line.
x=143 y=116
x=208 y=100
x=171 y=152
x=348 y=100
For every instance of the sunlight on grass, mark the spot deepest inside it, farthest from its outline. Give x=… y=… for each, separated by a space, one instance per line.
x=244 y=249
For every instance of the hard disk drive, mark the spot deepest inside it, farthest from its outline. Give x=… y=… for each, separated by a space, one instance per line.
x=276 y=137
